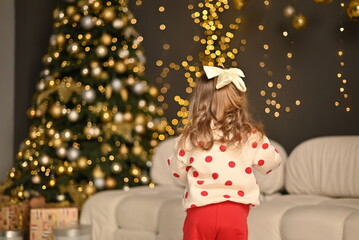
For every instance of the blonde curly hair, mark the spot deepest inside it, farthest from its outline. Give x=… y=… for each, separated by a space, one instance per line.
x=225 y=110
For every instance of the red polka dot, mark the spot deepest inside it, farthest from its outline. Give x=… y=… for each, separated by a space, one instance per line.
x=195 y=174
x=215 y=176
x=240 y=193
x=254 y=145
x=209 y=159
x=204 y=193
x=261 y=162
x=186 y=195
x=254 y=131
x=176 y=175
x=248 y=170
x=222 y=148
x=200 y=182
x=191 y=159
x=268 y=171
x=187 y=168
x=182 y=153
x=265 y=145
x=228 y=183
x=168 y=162
x=226 y=196
x=193 y=206
x=276 y=151
x=231 y=164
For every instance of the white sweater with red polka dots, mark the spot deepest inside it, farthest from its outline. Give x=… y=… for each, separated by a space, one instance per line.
x=223 y=173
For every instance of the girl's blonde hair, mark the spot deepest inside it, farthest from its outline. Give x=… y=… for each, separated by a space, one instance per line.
x=224 y=109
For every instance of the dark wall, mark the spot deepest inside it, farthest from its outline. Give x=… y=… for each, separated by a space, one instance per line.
x=315 y=61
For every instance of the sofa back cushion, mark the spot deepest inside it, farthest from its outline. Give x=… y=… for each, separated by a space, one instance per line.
x=326 y=166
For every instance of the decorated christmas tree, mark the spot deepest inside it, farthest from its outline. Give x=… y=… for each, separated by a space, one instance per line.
x=94 y=120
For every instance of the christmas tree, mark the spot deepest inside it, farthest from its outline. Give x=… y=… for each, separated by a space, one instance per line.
x=94 y=120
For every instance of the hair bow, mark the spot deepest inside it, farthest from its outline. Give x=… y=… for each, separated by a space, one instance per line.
x=226 y=76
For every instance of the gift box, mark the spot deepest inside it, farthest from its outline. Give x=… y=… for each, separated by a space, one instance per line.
x=43 y=220
x=14 y=216
x=4 y=198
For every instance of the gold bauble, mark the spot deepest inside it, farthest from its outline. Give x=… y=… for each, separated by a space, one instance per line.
x=60 y=39
x=353 y=10
x=66 y=135
x=106 y=148
x=110 y=183
x=82 y=162
x=96 y=5
x=135 y=171
x=44 y=159
x=31 y=112
x=239 y=4
x=116 y=167
x=140 y=119
x=323 y=1
x=50 y=132
x=108 y=14
x=106 y=39
x=55 y=110
x=32 y=133
x=153 y=91
x=70 y=10
x=120 y=67
x=137 y=150
x=36 y=179
x=123 y=149
x=39 y=113
x=76 y=17
x=97 y=172
x=89 y=189
x=60 y=169
x=57 y=142
x=299 y=21
x=127 y=116
x=106 y=116
x=153 y=143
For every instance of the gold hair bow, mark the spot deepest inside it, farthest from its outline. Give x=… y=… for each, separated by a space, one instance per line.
x=226 y=76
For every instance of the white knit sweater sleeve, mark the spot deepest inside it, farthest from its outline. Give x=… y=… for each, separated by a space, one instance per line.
x=265 y=157
x=178 y=164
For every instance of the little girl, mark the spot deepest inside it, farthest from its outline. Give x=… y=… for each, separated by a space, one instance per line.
x=215 y=156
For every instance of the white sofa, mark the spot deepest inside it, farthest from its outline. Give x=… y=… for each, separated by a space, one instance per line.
x=321 y=177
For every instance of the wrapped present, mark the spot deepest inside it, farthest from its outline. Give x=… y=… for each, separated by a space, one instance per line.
x=43 y=220
x=4 y=198
x=14 y=216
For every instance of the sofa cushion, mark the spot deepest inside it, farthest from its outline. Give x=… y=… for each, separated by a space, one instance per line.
x=321 y=221
x=351 y=229
x=325 y=166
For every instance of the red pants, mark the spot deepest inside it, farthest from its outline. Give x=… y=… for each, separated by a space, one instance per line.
x=220 y=221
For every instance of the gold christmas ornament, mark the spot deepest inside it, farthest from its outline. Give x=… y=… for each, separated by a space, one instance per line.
x=76 y=18
x=106 y=148
x=36 y=179
x=127 y=116
x=123 y=149
x=106 y=39
x=96 y=5
x=73 y=48
x=61 y=152
x=56 y=110
x=124 y=94
x=239 y=4
x=60 y=169
x=101 y=51
x=108 y=14
x=116 y=167
x=60 y=39
x=82 y=162
x=33 y=133
x=353 y=10
x=97 y=172
x=323 y=1
x=89 y=189
x=137 y=149
x=51 y=132
x=120 y=67
x=31 y=112
x=73 y=116
x=299 y=21
x=52 y=182
x=140 y=119
x=44 y=159
x=70 y=10
x=56 y=141
x=110 y=183
x=288 y=11
x=66 y=135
